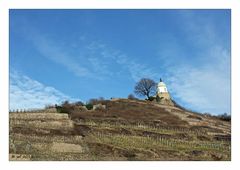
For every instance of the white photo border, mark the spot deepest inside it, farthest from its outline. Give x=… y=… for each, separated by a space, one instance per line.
x=5 y=5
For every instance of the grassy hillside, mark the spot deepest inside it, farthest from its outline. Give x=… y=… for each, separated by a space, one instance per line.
x=125 y=130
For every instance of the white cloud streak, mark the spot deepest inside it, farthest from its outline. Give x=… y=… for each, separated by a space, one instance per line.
x=203 y=84
x=91 y=60
x=206 y=88
x=54 y=52
x=26 y=93
x=94 y=59
x=136 y=69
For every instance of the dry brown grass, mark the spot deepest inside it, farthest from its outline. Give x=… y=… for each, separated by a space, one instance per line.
x=66 y=147
x=132 y=112
x=38 y=116
x=125 y=130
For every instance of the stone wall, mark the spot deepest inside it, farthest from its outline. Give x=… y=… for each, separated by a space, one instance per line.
x=164 y=98
x=164 y=95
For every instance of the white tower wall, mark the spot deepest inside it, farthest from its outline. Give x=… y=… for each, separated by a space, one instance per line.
x=163 y=95
x=162 y=88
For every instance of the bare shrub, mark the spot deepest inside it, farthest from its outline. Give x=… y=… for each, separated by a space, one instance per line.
x=131 y=97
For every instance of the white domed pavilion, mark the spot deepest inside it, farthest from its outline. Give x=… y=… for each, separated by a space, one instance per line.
x=161 y=87
x=162 y=95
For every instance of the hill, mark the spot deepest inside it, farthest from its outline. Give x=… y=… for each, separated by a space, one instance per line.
x=123 y=130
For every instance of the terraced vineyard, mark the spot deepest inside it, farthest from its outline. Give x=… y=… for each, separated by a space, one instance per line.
x=117 y=134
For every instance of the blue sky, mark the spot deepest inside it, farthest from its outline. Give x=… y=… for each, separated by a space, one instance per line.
x=58 y=55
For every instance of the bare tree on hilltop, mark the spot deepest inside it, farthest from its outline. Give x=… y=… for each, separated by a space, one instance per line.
x=145 y=87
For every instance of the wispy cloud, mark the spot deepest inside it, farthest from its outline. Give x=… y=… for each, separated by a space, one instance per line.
x=202 y=81
x=85 y=57
x=135 y=69
x=81 y=60
x=205 y=88
x=26 y=93
x=55 y=52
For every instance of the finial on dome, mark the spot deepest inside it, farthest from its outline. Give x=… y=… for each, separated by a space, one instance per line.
x=160 y=80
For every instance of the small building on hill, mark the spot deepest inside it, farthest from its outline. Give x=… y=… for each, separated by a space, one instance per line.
x=162 y=96
x=162 y=91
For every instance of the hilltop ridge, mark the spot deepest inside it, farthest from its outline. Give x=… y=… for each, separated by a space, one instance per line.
x=122 y=130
